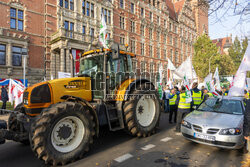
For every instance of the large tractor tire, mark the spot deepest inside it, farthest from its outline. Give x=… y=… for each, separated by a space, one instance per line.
x=142 y=111
x=63 y=133
x=16 y=126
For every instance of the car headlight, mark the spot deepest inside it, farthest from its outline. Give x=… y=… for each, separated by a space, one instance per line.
x=230 y=131
x=186 y=124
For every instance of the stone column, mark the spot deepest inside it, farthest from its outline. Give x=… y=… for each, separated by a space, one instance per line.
x=9 y=59
x=52 y=64
x=68 y=60
x=62 y=60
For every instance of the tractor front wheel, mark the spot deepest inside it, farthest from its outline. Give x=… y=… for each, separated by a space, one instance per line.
x=63 y=133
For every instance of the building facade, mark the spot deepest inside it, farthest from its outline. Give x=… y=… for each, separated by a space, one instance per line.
x=54 y=31
x=223 y=44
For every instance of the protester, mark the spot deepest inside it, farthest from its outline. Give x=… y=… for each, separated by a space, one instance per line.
x=173 y=103
x=184 y=108
x=246 y=94
x=246 y=125
x=225 y=91
x=196 y=95
x=205 y=94
x=4 y=97
x=166 y=98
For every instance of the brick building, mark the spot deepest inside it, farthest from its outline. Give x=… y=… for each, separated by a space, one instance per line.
x=53 y=30
x=223 y=44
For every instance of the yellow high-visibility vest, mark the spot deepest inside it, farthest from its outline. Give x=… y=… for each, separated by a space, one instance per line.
x=182 y=103
x=210 y=94
x=172 y=100
x=197 y=98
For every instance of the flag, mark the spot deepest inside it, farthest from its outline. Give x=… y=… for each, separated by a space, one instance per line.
x=103 y=34
x=238 y=84
x=188 y=92
x=217 y=80
x=160 y=82
x=171 y=65
x=16 y=92
x=210 y=87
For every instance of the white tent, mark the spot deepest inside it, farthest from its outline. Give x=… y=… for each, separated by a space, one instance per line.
x=185 y=68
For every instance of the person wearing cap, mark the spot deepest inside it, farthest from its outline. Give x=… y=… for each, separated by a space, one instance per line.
x=184 y=107
x=196 y=95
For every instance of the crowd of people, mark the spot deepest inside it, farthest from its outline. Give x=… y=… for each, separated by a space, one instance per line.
x=176 y=105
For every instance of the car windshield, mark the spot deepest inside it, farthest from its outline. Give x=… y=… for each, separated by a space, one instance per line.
x=91 y=63
x=227 y=106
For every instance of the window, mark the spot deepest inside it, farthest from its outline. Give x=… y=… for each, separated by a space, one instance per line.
x=164 y=54
x=132 y=26
x=16 y=19
x=142 y=12
x=150 y=33
x=122 y=22
x=171 y=55
x=92 y=33
x=176 y=57
x=176 y=42
x=134 y=65
x=87 y=8
x=150 y=51
x=170 y=40
x=158 y=36
x=170 y=26
x=61 y=3
x=121 y=4
x=151 y=16
x=132 y=44
x=122 y=40
x=175 y=29
x=158 y=20
x=151 y=68
x=83 y=7
x=142 y=66
x=69 y=27
x=93 y=11
x=142 y=49
x=66 y=4
x=165 y=39
x=2 y=54
x=71 y=5
x=158 y=53
x=109 y=17
x=142 y=30
x=132 y=8
x=83 y=32
x=16 y=56
x=165 y=23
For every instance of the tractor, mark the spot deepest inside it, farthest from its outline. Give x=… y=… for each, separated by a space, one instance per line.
x=61 y=118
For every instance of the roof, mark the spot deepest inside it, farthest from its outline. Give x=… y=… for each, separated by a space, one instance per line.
x=220 y=42
x=178 y=6
x=171 y=9
x=103 y=50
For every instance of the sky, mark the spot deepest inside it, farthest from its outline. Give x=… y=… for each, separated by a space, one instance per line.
x=237 y=25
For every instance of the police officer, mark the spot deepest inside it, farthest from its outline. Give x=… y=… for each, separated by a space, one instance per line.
x=197 y=95
x=173 y=103
x=184 y=108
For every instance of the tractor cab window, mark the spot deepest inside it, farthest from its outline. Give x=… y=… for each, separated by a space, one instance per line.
x=91 y=64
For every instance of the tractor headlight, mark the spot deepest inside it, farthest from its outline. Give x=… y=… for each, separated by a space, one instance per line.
x=186 y=124
x=25 y=101
x=230 y=131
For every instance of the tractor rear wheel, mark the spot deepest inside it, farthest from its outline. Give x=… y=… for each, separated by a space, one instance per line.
x=63 y=133
x=16 y=126
x=142 y=111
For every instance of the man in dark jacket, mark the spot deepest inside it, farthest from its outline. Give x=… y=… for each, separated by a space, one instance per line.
x=4 y=95
x=246 y=125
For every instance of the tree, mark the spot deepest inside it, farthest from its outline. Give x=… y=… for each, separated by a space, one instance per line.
x=205 y=49
x=235 y=52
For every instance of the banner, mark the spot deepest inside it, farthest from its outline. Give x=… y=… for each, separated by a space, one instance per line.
x=210 y=87
x=64 y=75
x=217 y=80
x=103 y=34
x=4 y=82
x=171 y=65
x=239 y=82
x=15 y=92
x=76 y=56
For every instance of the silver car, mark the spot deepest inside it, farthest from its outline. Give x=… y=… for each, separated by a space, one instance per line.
x=217 y=122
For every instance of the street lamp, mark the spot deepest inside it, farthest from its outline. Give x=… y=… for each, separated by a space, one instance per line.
x=25 y=54
x=209 y=62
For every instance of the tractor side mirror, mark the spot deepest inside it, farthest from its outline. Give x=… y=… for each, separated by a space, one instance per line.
x=115 y=51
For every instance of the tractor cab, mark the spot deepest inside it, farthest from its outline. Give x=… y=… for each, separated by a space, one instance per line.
x=106 y=69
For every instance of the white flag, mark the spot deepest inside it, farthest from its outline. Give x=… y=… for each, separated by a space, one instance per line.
x=16 y=92
x=217 y=80
x=171 y=65
x=239 y=81
x=188 y=92
x=209 y=85
x=103 y=34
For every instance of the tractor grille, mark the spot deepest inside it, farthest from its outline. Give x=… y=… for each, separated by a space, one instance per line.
x=197 y=128
x=212 y=131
